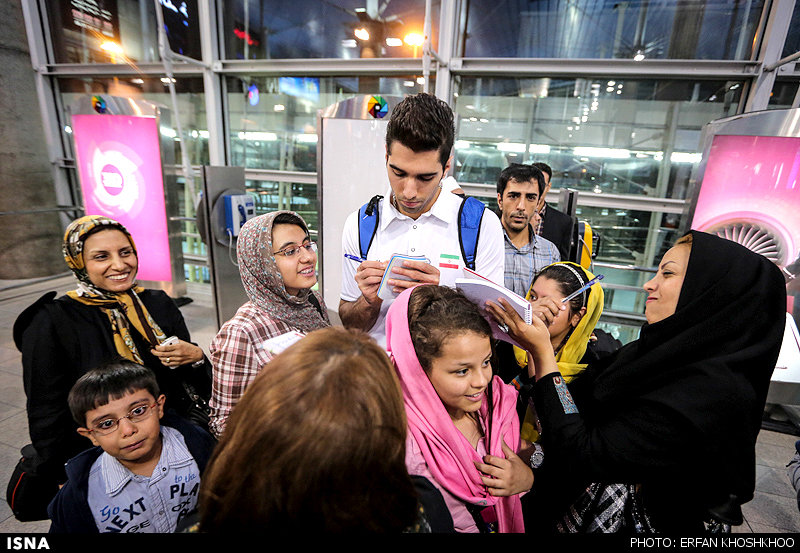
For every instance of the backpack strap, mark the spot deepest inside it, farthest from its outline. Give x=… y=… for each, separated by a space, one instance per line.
x=315 y=302
x=470 y=215
x=368 y=217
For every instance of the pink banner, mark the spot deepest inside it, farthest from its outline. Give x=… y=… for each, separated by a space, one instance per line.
x=756 y=180
x=119 y=166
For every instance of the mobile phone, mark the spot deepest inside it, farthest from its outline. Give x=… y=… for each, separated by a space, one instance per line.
x=171 y=341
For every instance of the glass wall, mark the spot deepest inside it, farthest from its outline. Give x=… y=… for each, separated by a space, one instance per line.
x=633 y=29
x=617 y=136
x=349 y=29
x=273 y=120
x=120 y=31
x=792 y=43
x=190 y=100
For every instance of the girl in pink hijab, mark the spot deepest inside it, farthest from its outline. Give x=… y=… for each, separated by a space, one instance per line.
x=462 y=422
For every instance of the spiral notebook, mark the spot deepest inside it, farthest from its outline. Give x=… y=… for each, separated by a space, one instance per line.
x=480 y=290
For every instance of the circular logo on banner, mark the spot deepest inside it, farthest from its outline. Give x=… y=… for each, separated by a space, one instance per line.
x=377 y=107
x=117 y=179
x=111 y=179
x=98 y=104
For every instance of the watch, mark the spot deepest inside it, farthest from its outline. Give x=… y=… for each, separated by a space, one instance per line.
x=537 y=456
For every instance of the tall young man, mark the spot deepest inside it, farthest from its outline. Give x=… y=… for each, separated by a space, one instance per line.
x=415 y=218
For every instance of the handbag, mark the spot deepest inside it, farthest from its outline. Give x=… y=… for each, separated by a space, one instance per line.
x=199 y=412
x=28 y=492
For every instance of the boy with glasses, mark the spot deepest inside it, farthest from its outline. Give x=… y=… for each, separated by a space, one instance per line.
x=142 y=475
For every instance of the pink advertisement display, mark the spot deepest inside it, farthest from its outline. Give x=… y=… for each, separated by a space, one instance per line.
x=753 y=181
x=119 y=166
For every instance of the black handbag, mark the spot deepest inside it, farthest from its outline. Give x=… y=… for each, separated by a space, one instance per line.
x=29 y=493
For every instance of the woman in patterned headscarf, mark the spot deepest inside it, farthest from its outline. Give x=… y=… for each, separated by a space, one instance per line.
x=107 y=316
x=277 y=263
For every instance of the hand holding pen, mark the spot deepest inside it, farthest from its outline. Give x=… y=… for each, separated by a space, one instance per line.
x=368 y=277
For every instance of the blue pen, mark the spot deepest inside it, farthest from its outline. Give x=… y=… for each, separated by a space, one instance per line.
x=584 y=287
x=354 y=258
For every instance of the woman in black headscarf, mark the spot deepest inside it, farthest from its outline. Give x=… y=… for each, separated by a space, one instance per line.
x=668 y=424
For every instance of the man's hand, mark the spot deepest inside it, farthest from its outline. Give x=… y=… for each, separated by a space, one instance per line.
x=418 y=271
x=368 y=278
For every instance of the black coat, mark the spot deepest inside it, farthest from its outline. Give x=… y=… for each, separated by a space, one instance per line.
x=561 y=230
x=60 y=340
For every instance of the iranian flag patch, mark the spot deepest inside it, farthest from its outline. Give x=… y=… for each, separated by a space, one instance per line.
x=447 y=261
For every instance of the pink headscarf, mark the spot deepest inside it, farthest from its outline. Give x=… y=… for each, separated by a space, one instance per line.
x=449 y=455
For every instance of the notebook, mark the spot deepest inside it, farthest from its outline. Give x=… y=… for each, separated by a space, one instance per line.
x=385 y=290
x=479 y=290
x=279 y=343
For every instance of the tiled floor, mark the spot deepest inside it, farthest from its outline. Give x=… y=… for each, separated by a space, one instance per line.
x=773 y=509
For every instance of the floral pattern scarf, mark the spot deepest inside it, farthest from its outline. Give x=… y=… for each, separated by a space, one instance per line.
x=263 y=282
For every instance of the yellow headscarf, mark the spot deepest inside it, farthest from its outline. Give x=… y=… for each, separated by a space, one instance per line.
x=569 y=357
x=123 y=309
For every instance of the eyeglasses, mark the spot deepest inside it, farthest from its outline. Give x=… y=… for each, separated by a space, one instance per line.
x=137 y=414
x=291 y=251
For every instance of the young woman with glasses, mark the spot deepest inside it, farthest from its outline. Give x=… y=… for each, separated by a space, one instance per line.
x=277 y=263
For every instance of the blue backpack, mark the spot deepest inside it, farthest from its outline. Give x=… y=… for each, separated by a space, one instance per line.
x=469 y=226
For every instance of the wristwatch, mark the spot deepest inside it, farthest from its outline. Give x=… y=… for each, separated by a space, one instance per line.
x=537 y=457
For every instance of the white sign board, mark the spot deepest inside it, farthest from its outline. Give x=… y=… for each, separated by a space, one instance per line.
x=351 y=169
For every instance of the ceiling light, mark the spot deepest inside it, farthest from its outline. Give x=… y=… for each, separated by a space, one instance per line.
x=361 y=34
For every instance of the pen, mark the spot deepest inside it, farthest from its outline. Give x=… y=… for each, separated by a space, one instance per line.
x=354 y=258
x=582 y=288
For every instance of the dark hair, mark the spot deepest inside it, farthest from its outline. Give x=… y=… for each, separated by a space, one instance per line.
x=290 y=219
x=544 y=168
x=109 y=382
x=437 y=312
x=422 y=123
x=520 y=173
x=316 y=443
x=567 y=283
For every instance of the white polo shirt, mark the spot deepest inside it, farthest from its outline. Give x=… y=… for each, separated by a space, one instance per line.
x=434 y=234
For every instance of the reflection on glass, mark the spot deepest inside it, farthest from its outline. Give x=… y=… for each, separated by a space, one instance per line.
x=120 y=31
x=783 y=94
x=273 y=120
x=792 y=43
x=191 y=106
x=298 y=197
x=637 y=30
x=599 y=135
x=349 y=29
